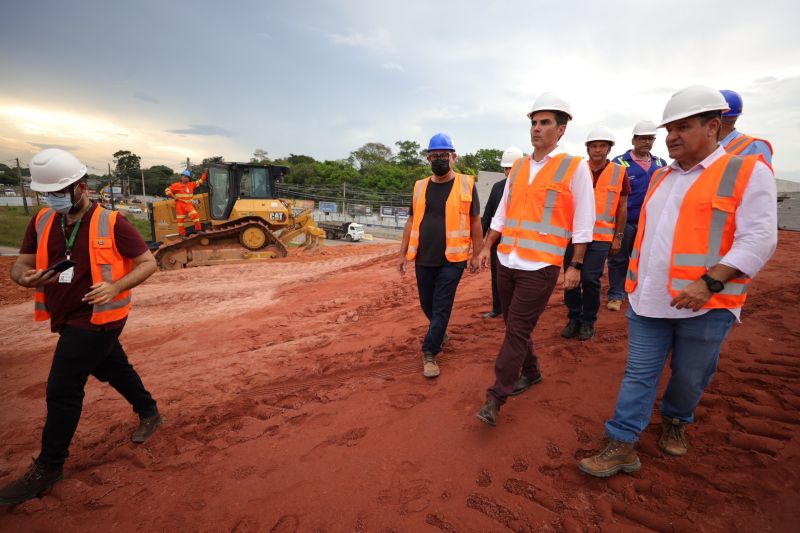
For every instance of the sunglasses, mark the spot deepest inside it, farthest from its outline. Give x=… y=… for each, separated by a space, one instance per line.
x=439 y=157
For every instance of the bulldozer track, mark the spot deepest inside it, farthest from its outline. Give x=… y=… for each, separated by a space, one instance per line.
x=227 y=230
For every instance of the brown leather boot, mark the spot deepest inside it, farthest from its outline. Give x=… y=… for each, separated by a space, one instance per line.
x=489 y=412
x=147 y=426
x=673 y=437
x=615 y=456
x=33 y=483
x=430 y=368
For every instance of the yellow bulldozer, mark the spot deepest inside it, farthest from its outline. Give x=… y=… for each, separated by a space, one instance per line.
x=242 y=219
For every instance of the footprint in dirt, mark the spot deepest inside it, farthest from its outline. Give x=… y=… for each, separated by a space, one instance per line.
x=246 y=524
x=405 y=401
x=484 y=479
x=520 y=464
x=286 y=524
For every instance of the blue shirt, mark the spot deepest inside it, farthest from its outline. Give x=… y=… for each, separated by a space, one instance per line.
x=757 y=147
x=640 y=181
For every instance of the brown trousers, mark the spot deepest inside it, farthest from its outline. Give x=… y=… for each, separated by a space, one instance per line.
x=523 y=297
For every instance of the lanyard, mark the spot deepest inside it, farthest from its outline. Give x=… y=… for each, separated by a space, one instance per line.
x=71 y=240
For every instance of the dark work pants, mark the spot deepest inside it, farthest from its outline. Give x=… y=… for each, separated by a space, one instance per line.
x=79 y=354
x=523 y=297
x=437 y=290
x=495 y=294
x=583 y=301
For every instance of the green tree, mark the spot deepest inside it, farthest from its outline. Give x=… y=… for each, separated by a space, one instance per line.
x=489 y=159
x=409 y=154
x=261 y=157
x=369 y=155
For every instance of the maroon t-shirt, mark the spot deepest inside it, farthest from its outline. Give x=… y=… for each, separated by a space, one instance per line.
x=64 y=299
x=626 y=182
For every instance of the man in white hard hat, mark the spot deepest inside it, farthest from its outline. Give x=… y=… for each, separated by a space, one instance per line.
x=640 y=165
x=510 y=155
x=734 y=141
x=83 y=261
x=708 y=225
x=548 y=201
x=611 y=189
x=443 y=226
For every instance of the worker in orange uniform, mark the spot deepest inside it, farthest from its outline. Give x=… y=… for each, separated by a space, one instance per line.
x=183 y=192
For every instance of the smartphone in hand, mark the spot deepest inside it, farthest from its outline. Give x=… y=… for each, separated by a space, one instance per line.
x=60 y=267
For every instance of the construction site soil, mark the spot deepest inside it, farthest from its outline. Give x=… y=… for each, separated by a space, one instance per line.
x=294 y=400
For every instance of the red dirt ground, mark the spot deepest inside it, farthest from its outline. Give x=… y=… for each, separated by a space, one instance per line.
x=294 y=401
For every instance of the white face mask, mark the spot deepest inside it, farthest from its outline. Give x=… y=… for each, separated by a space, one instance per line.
x=60 y=204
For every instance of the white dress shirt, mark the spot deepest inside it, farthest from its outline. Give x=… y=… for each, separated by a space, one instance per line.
x=582 y=188
x=753 y=242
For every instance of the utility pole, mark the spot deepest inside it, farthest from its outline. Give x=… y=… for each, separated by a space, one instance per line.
x=143 y=193
x=188 y=167
x=22 y=187
x=344 y=199
x=111 y=186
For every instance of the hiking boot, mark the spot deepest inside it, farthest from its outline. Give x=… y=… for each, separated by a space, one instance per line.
x=586 y=332
x=489 y=412
x=614 y=305
x=33 y=483
x=615 y=456
x=571 y=331
x=430 y=368
x=673 y=437
x=147 y=426
x=525 y=382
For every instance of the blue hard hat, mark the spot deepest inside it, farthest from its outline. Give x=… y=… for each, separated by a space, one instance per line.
x=186 y=173
x=441 y=141
x=734 y=102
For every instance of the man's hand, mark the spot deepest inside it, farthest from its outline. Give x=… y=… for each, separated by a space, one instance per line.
x=616 y=245
x=693 y=297
x=101 y=293
x=571 y=278
x=483 y=258
x=474 y=263
x=37 y=278
x=401 y=265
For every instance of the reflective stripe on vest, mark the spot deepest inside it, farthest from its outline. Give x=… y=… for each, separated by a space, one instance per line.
x=546 y=239
x=740 y=144
x=457 y=222
x=44 y=220
x=123 y=299
x=608 y=189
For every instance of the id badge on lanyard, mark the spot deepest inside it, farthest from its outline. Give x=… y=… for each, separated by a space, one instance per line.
x=68 y=274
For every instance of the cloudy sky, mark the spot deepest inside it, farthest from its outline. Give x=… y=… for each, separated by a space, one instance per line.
x=177 y=79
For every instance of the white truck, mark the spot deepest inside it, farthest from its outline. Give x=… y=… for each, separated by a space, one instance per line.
x=350 y=231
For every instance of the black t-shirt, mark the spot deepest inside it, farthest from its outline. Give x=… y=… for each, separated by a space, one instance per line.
x=432 y=230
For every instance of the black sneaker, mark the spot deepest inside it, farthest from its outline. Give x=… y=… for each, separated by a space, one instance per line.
x=525 y=382
x=571 y=331
x=147 y=426
x=586 y=332
x=489 y=412
x=33 y=483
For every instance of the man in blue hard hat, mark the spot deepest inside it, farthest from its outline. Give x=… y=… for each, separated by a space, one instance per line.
x=443 y=225
x=183 y=193
x=734 y=141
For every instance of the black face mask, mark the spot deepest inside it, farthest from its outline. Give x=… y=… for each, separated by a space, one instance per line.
x=440 y=167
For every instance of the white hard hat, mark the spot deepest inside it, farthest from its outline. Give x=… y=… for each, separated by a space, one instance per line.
x=645 y=127
x=54 y=169
x=550 y=102
x=511 y=154
x=693 y=101
x=600 y=133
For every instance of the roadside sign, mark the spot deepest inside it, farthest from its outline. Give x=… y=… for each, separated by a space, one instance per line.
x=328 y=207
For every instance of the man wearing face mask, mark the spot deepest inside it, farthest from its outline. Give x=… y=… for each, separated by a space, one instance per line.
x=443 y=222
x=87 y=305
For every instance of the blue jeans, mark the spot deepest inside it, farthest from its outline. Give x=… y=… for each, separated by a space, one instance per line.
x=583 y=301
x=618 y=264
x=694 y=342
x=437 y=290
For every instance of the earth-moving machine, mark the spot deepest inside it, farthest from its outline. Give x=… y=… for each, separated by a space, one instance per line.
x=242 y=220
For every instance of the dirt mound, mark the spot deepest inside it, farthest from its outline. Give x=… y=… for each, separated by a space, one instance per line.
x=294 y=401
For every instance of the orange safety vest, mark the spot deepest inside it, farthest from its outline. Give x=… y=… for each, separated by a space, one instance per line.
x=539 y=216
x=181 y=192
x=704 y=230
x=606 y=200
x=456 y=221
x=738 y=145
x=106 y=262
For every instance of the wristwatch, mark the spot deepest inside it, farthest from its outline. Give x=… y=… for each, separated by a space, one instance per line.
x=620 y=235
x=714 y=285
x=576 y=265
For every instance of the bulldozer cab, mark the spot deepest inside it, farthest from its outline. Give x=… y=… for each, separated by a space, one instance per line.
x=229 y=182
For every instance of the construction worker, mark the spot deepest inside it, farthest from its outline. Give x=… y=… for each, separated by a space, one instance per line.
x=736 y=142
x=611 y=189
x=511 y=154
x=548 y=198
x=183 y=192
x=443 y=222
x=708 y=225
x=87 y=305
x=640 y=165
